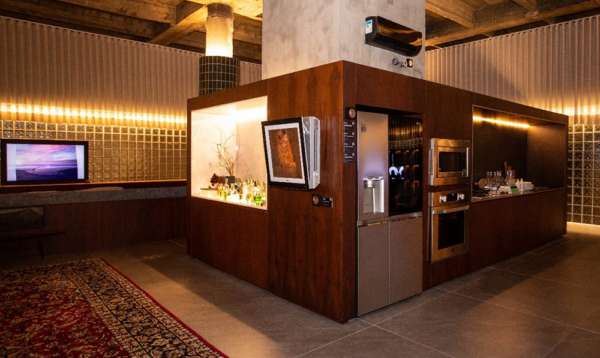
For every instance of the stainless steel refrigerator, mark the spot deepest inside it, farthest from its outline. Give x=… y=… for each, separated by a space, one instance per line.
x=389 y=193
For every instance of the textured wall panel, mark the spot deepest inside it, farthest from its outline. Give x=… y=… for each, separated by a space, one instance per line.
x=556 y=68
x=122 y=85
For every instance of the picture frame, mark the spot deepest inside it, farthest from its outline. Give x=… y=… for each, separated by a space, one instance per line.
x=285 y=153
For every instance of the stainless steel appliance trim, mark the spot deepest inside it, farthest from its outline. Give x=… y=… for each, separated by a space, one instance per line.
x=440 y=254
x=434 y=197
x=405 y=216
x=449 y=145
x=371 y=222
x=441 y=208
x=448 y=211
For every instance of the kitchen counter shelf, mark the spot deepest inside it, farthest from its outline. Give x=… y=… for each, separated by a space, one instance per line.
x=477 y=199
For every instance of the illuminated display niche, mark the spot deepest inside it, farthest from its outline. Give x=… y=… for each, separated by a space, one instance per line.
x=238 y=127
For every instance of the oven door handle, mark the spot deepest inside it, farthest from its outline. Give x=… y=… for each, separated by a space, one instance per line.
x=448 y=211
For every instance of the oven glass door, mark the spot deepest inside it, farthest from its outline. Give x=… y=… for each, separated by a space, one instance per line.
x=449 y=232
x=452 y=161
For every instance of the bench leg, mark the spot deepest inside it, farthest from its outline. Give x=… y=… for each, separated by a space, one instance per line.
x=40 y=248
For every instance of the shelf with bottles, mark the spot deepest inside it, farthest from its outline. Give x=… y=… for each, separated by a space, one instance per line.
x=405 y=182
x=405 y=145
x=405 y=132
x=226 y=142
x=250 y=192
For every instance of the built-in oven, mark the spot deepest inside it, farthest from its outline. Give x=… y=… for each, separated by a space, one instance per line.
x=449 y=161
x=449 y=223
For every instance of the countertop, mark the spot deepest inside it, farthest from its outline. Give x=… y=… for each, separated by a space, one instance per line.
x=89 y=195
x=536 y=190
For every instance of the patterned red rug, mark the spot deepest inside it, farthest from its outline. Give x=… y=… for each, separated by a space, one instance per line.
x=88 y=309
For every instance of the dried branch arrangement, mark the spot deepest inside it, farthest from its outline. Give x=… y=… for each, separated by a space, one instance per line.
x=227 y=161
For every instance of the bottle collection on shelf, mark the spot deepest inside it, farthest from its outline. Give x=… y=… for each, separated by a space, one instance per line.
x=497 y=184
x=250 y=192
x=405 y=148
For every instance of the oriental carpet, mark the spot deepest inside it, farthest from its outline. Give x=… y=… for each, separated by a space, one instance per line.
x=88 y=309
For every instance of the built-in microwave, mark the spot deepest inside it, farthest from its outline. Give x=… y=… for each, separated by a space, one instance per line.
x=449 y=161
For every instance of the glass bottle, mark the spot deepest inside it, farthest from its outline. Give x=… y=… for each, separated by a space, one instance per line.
x=257 y=198
x=263 y=194
x=225 y=190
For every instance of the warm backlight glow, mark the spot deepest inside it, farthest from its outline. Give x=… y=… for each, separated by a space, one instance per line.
x=87 y=113
x=501 y=122
x=579 y=111
x=219 y=30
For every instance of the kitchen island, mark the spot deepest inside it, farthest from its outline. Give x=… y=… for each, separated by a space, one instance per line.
x=308 y=254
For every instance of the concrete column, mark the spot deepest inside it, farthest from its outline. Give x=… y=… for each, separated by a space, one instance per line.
x=302 y=34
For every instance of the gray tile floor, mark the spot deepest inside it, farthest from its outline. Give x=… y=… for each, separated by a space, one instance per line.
x=544 y=303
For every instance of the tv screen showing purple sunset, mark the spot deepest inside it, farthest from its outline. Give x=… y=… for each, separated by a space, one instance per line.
x=33 y=162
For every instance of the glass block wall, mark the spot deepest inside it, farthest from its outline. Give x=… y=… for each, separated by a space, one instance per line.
x=583 y=201
x=117 y=153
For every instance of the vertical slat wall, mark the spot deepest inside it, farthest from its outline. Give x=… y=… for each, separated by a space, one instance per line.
x=555 y=67
x=116 y=79
x=134 y=96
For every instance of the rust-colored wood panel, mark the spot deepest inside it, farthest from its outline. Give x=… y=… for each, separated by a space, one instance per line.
x=306 y=242
x=99 y=225
x=505 y=227
x=66 y=216
x=502 y=228
x=349 y=230
x=223 y=236
x=385 y=89
x=253 y=246
x=236 y=94
x=198 y=235
x=547 y=155
x=446 y=270
x=449 y=112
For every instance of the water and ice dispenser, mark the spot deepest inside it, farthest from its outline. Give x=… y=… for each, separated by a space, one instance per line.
x=373 y=201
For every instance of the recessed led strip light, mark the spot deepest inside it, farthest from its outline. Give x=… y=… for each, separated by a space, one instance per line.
x=87 y=113
x=501 y=122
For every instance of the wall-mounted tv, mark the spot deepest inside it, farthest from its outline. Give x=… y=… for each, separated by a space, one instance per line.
x=292 y=151
x=27 y=161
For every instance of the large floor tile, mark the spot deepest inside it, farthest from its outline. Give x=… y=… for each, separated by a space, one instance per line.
x=561 y=269
x=269 y=327
x=579 y=344
x=374 y=342
x=464 y=327
x=552 y=300
x=592 y=322
x=465 y=280
x=402 y=306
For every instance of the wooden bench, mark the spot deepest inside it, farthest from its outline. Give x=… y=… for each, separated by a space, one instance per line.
x=18 y=224
x=35 y=234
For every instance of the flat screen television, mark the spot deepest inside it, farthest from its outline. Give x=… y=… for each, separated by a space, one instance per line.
x=292 y=152
x=29 y=161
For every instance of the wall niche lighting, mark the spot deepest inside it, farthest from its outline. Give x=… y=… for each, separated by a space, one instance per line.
x=501 y=122
x=218 y=69
x=78 y=115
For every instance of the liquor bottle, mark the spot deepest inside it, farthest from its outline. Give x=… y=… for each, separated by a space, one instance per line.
x=263 y=195
x=225 y=190
x=257 y=198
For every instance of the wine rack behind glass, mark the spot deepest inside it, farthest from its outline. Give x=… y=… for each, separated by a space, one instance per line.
x=405 y=149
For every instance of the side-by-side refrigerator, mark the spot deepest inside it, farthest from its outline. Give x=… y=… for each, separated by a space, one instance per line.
x=390 y=202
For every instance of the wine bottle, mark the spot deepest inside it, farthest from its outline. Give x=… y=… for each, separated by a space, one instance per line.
x=225 y=190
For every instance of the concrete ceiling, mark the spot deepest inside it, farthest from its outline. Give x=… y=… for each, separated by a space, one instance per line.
x=180 y=23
